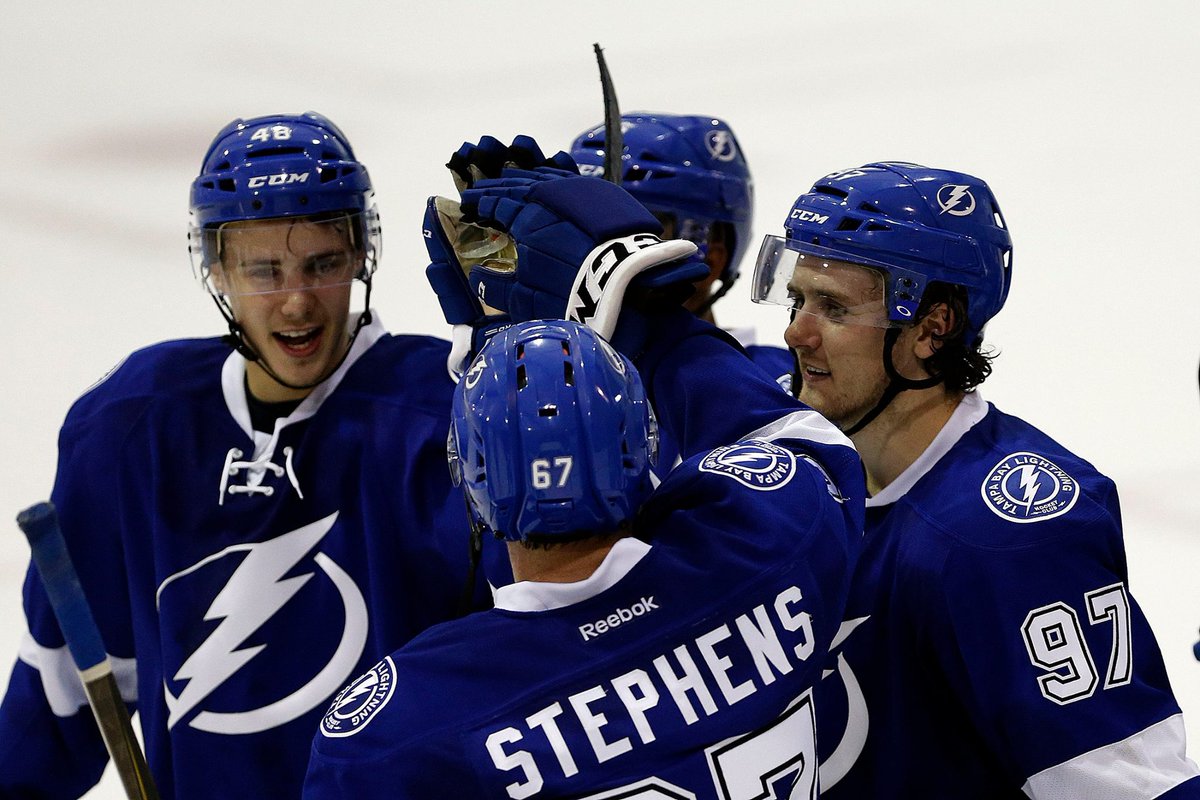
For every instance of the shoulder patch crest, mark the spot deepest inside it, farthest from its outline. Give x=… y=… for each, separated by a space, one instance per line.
x=357 y=704
x=1025 y=487
x=760 y=465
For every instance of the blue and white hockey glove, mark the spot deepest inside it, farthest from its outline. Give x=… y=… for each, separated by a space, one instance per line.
x=455 y=246
x=580 y=244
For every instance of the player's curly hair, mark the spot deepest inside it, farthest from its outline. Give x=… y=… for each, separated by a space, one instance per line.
x=962 y=365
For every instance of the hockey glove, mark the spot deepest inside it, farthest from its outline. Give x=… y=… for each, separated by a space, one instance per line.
x=455 y=246
x=580 y=243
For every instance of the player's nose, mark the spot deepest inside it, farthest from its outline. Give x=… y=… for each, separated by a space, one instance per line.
x=803 y=332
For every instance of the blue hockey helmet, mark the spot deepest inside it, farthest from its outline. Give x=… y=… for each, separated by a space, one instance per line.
x=553 y=436
x=690 y=167
x=911 y=223
x=279 y=166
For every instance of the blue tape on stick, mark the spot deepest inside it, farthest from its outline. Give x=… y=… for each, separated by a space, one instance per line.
x=40 y=524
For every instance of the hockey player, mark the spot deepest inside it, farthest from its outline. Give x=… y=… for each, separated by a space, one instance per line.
x=657 y=644
x=690 y=171
x=252 y=528
x=992 y=645
x=652 y=646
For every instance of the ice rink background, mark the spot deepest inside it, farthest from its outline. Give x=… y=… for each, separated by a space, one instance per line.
x=1081 y=115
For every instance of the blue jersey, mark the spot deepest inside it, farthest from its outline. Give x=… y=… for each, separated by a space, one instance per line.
x=992 y=648
x=239 y=578
x=682 y=668
x=778 y=362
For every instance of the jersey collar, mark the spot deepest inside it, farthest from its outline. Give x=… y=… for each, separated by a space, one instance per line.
x=233 y=376
x=970 y=410
x=537 y=596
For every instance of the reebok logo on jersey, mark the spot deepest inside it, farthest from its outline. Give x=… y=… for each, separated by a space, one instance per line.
x=1024 y=487
x=760 y=465
x=359 y=702
x=618 y=618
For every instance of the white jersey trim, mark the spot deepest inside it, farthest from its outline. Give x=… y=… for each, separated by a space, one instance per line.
x=803 y=424
x=1141 y=767
x=539 y=596
x=233 y=384
x=971 y=409
x=60 y=680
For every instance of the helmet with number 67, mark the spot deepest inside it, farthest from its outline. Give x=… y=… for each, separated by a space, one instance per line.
x=553 y=436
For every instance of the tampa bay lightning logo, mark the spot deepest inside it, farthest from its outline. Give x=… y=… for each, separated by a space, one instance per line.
x=1025 y=487
x=956 y=200
x=760 y=465
x=476 y=371
x=721 y=146
x=242 y=637
x=359 y=702
x=613 y=357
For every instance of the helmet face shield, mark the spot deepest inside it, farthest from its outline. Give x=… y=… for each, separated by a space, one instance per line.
x=258 y=257
x=814 y=281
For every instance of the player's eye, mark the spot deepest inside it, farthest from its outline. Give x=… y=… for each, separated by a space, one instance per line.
x=260 y=273
x=327 y=266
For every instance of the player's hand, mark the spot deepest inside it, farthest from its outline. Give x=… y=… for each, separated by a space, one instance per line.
x=580 y=243
x=455 y=246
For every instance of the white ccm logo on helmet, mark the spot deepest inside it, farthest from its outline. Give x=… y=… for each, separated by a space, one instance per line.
x=805 y=215
x=949 y=200
x=280 y=179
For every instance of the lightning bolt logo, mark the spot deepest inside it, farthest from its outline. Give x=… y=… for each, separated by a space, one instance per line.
x=1027 y=487
x=476 y=371
x=1028 y=482
x=720 y=145
x=253 y=594
x=754 y=463
x=949 y=201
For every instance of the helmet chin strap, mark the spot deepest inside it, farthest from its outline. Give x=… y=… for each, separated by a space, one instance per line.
x=236 y=338
x=897 y=383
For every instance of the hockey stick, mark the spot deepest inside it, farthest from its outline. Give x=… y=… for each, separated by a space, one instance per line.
x=614 y=142
x=40 y=524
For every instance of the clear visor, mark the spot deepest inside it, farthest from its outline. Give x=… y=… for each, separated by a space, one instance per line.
x=282 y=255
x=814 y=281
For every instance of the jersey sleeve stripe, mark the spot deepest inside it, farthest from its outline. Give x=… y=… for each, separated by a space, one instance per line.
x=803 y=424
x=61 y=683
x=1140 y=767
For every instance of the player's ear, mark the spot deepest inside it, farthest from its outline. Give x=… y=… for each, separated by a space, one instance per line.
x=932 y=329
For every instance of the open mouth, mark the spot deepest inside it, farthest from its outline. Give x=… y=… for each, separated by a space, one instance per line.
x=299 y=343
x=814 y=373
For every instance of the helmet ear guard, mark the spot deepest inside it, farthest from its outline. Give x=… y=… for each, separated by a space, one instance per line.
x=553 y=436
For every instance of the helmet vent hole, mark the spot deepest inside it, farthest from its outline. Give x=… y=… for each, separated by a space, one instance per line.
x=848 y=224
x=227 y=185
x=637 y=174
x=568 y=373
x=257 y=205
x=832 y=191
x=327 y=175
x=275 y=151
x=870 y=208
x=875 y=226
x=522 y=378
x=520 y=352
x=548 y=411
x=224 y=165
